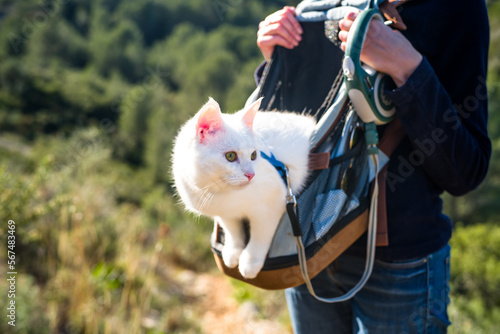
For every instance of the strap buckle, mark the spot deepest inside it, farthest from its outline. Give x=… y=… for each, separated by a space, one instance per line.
x=290 y=197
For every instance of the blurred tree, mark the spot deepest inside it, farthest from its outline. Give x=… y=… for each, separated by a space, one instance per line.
x=154 y=19
x=475 y=274
x=102 y=87
x=159 y=139
x=77 y=13
x=118 y=50
x=135 y=109
x=57 y=41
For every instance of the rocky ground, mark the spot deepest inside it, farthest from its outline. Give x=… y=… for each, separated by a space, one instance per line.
x=218 y=310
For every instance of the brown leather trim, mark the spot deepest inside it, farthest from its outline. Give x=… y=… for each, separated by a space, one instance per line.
x=393 y=135
x=290 y=277
x=390 y=13
x=399 y=2
x=319 y=160
x=382 y=230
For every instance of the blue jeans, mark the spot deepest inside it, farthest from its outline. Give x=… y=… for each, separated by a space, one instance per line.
x=400 y=297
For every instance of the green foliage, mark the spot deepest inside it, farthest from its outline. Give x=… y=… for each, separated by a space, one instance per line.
x=57 y=41
x=475 y=278
x=92 y=94
x=159 y=140
x=135 y=110
x=269 y=304
x=118 y=51
x=29 y=306
x=475 y=272
x=94 y=253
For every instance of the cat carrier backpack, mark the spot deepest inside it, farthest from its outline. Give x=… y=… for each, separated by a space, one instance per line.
x=341 y=199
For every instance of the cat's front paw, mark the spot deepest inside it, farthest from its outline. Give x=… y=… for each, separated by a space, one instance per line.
x=250 y=266
x=230 y=256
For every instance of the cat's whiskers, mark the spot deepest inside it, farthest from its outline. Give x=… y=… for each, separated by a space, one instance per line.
x=206 y=199
x=208 y=193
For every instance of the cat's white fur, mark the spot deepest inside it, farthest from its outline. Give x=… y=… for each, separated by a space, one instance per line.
x=211 y=185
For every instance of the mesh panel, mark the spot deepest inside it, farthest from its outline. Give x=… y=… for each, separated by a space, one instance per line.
x=334 y=192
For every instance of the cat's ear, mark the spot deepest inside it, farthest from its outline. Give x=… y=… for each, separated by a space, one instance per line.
x=249 y=113
x=209 y=120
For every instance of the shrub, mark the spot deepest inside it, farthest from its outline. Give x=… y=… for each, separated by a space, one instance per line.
x=475 y=277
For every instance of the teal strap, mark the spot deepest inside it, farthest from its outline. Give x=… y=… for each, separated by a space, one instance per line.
x=371 y=137
x=321 y=10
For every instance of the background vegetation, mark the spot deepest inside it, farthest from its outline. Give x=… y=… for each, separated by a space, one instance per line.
x=91 y=96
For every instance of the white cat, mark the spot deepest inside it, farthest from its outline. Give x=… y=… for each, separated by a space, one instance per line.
x=219 y=172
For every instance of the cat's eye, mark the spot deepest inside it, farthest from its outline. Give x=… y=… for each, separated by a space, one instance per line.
x=254 y=155
x=231 y=156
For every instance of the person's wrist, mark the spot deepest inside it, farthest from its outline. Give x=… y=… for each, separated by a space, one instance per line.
x=402 y=73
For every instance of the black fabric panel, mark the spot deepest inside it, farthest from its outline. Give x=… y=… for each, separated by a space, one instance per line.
x=299 y=79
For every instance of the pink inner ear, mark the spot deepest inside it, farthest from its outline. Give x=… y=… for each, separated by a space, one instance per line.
x=205 y=129
x=209 y=120
x=250 y=113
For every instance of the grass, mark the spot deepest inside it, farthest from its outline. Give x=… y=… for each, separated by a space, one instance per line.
x=89 y=257
x=269 y=304
x=99 y=248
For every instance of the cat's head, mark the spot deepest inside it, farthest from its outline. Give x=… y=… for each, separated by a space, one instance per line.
x=226 y=146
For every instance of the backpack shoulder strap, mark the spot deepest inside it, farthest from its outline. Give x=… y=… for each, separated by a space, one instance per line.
x=393 y=135
x=391 y=138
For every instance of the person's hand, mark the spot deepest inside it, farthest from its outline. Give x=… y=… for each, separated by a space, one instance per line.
x=280 y=28
x=384 y=49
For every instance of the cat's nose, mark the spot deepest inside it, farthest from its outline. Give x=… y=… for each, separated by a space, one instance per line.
x=249 y=175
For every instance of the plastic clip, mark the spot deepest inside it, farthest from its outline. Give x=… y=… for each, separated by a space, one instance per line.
x=291 y=207
x=371 y=137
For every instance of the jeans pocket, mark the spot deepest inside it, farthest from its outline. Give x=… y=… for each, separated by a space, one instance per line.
x=407 y=264
x=439 y=292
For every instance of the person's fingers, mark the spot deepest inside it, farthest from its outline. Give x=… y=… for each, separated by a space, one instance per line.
x=273 y=40
x=343 y=35
x=292 y=19
x=352 y=15
x=289 y=31
x=290 y=9
x=384 y=49
x=267 y=44
x=276 y=26
x=279 y=30
x=345 y=25
x=275 y=17
x=347 y=21
x=285 y=18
